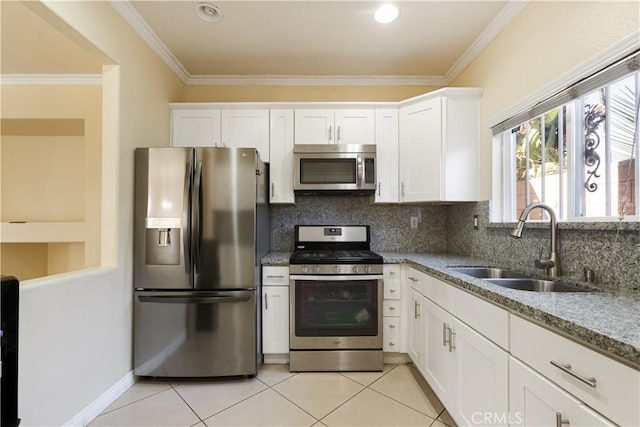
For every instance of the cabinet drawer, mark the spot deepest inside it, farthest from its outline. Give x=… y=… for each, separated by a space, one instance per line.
x=486 y=318
x=391 y=271
x=391 y=325
x=438 y=291
x=391 y=343
x=275 y=276
x=415 y=279
x=391 y=289
x=391 y=308
x=615 y=388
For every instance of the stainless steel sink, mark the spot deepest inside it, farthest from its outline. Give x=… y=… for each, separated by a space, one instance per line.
x=536 y=285
x=488 y=272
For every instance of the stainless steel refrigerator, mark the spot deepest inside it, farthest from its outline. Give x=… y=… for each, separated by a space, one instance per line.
x=201 y=227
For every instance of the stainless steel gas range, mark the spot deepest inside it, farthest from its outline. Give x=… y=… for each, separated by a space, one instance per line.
x=336 y=300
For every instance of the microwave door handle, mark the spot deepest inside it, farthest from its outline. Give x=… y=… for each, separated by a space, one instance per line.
x=360 y=172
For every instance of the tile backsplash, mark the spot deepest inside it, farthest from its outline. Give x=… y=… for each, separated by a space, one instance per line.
x=390 y=224
x=613 y=255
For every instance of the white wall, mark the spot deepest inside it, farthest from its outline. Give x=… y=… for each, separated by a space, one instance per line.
x=76 y=328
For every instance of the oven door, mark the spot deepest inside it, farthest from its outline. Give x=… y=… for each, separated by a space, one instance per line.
x=336 y=312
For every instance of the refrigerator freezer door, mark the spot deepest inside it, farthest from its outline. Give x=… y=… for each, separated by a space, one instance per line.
x=226 y=225
x=195 y=334
x=162 y=246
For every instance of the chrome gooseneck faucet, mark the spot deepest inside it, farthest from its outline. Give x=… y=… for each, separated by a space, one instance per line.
x=552 y=265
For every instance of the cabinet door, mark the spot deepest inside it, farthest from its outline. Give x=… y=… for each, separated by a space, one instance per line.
x=275 y=319
x=247 y=128
x=438 y=357
x=314 y=126
x=416 y=341
x=421 y=151
x=354 y=126
x=386 y=124
x=195 y=128
x=480 y=377
x=535 y=401
x=281 y=156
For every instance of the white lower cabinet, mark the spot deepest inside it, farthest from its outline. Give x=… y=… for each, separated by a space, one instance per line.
x=275 y=310
x=466 y=371
x=535 y=401
x=391 y=308
x=416 y=327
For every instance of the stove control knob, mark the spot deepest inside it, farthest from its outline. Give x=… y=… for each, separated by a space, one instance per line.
x=367 y=269
x=305 y=269
x=316 y=269
x=355 y=269
x=336 y=269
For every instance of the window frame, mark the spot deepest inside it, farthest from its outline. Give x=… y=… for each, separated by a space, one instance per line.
x=504 y=200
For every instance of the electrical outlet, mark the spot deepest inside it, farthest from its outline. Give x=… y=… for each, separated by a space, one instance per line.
x=414 y=222
x=476 y=225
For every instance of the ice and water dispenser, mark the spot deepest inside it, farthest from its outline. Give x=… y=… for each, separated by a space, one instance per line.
x=162 y=241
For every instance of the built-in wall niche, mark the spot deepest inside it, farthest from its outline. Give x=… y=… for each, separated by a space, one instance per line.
x=42 y=184
x=32 y=260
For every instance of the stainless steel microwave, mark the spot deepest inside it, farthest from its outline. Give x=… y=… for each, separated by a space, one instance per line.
x=334 y=168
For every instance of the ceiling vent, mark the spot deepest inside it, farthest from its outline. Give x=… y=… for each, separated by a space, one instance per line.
x=208 y=12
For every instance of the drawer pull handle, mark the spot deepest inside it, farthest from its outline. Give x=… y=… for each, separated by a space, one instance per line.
x=391 y=344
x=392 y=326
x=413 y=279
x=452 y=335
x=415 y=309
x=392 y=273
x=591 y=382
x=560 y=421
x=391 y=307
x=392 y=291
x=444 y=334
x=275 y=277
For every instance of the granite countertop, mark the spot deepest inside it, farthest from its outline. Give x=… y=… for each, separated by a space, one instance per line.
x=608 y=320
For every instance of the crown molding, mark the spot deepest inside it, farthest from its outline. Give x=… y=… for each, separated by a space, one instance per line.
x=294 y=80
x=137 y=22
x=495 y=27
x=51 y=79
x=616 y=51
x=140 y=26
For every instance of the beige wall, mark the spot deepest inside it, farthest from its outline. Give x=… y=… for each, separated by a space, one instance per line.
x=76 y=329
x=547 y=39
x=64 y=103
x=302 y=94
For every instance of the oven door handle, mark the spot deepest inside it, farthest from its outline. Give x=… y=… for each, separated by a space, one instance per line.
x=343 y=278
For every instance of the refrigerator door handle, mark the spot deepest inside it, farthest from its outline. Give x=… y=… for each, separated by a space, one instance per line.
x=186 y=219
x=170 y=299
x=196 y=210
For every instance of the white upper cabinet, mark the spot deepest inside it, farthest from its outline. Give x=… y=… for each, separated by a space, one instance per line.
x=195 y=128
x=328 y=126
x=386 y=131
x=214 y=127
x=281 y=156
x=440 y=146
x=247 y=128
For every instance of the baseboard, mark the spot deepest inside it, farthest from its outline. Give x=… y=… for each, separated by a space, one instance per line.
x=95 y=408
x=396 y=358
x=276 y=359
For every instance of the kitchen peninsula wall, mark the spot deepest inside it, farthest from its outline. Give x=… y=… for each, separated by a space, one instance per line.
x=613 y=255
x=390 y=224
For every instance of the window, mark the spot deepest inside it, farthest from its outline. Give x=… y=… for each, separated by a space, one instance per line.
x=578 y=154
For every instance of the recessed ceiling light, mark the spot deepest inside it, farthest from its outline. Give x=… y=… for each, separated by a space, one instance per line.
x=387 y=13
x=208 y=12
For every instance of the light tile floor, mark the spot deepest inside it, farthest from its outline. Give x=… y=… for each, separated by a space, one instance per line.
x=397 y=396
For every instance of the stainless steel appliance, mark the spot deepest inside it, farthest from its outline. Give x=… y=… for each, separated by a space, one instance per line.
x=336 y=300
x=201 y=227
x=334 y=168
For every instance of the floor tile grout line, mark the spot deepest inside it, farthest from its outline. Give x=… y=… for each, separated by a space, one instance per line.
x=135 y=401
x=292 y=402
x=230 y=406
x=187 y=403
x=404 y=404
x=343 y=403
